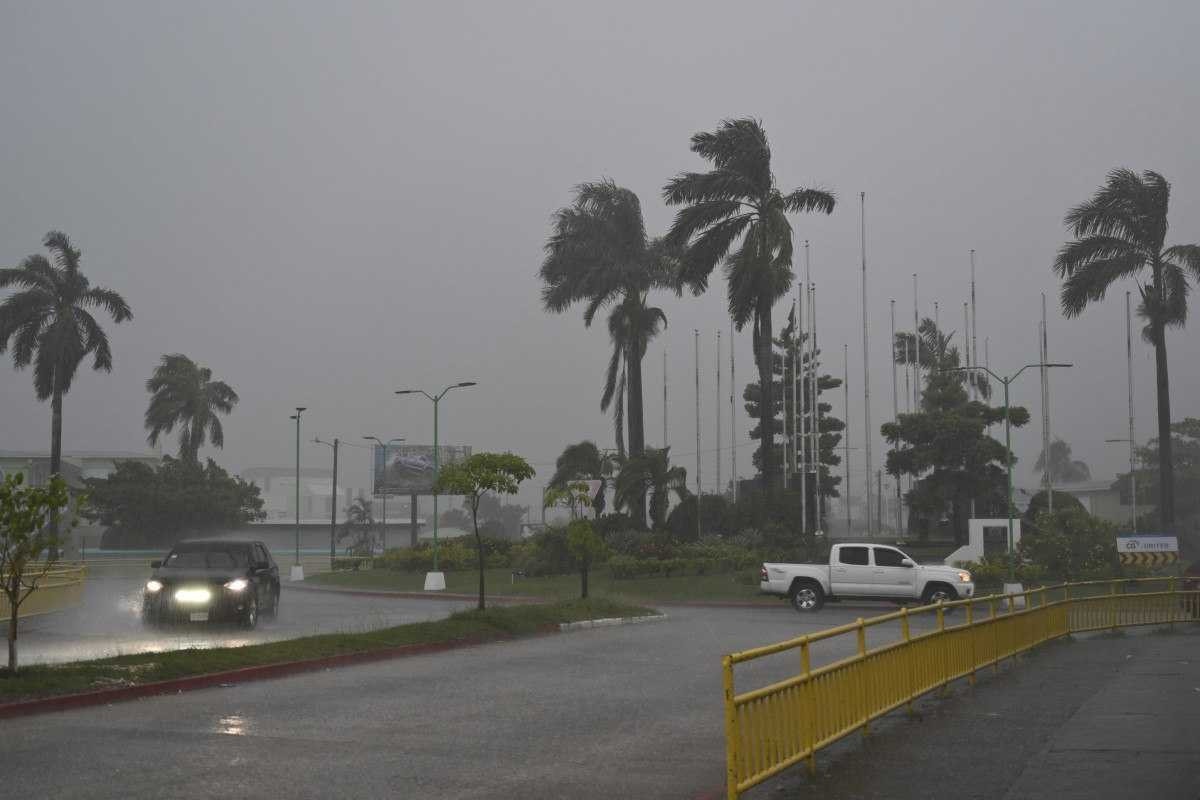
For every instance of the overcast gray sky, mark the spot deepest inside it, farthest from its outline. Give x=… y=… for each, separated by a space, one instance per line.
x=326 y=202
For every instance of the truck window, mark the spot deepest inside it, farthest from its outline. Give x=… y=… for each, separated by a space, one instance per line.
x=887 y=557
x=853 y=555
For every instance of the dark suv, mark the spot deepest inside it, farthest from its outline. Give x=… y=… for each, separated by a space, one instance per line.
x=213 y=580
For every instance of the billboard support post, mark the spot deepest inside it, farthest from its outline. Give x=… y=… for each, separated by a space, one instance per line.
x=413 y=521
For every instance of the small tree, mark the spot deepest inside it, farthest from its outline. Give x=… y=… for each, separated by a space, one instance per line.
x=29 y=517
x=586 y=547
x=501 y=473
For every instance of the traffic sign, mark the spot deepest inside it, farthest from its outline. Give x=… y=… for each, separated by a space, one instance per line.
x=1148 y=559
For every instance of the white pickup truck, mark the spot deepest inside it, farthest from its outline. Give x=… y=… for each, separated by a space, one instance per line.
x=866 y=572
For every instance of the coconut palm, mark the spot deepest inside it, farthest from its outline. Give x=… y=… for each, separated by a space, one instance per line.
x=934 y=352
x=1119 y=233
x=1061 y=466
x=49 y=323
x=651 y=474
x=736 y=215
x=599 y=254
x=183 y=393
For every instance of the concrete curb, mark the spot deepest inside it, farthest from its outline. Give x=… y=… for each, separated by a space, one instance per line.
x=43 y=705
x=512 y=599
x=609 y=622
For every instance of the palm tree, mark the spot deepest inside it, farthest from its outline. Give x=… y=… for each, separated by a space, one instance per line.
x=1062 y=468
x=183 y=393
x=934 y=353
x=49 y=323
x=738 y=200
x=599 y=254
x=652 y=474
x=1119 y=233
x=583 y=462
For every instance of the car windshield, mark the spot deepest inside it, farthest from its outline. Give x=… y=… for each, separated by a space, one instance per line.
x=207 y=558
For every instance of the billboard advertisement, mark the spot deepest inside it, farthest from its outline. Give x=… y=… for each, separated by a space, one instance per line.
x=408 y=468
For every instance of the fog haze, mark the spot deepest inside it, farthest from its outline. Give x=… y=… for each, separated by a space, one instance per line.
x=327 y=203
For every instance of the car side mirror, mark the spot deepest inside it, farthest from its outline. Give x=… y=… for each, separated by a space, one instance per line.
x=155 y=564
x=907 y=562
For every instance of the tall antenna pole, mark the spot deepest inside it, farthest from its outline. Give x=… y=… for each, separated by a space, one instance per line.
x=719 y=489
x=916 y=352
x=974 y=320
x=814 y=378
x=970 y=374
x=666 y=441
x=789 y=439
x=846 y=431
x=1044 y=351
x=732 y=415
x=696 y=342
x=1129 y=371
x=795 y=444
x=862 y=196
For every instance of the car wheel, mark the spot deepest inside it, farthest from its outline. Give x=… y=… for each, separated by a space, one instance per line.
x=807 y=598
x=250 y=615
x=272 y=612
x=149 y=615
x=938 y=593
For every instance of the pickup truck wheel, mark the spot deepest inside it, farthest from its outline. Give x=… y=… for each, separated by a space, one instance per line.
x=939 y=593
x=807 y=597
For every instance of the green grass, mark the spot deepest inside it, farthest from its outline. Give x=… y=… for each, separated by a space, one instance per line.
x=80 y=676
x=742 y=587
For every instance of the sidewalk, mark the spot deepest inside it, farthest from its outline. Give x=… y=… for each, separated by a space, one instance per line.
x=1096 y=717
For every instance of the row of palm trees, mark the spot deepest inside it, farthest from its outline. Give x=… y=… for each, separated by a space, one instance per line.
x=732 y=214
x=634 y=479
x=49 y=322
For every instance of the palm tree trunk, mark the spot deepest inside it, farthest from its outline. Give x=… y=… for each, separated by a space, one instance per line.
x=1166 y=467
x=766 y=406
x=636 y=419
x=56 y=404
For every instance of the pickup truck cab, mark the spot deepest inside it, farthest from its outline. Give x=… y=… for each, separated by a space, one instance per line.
x=865 y=571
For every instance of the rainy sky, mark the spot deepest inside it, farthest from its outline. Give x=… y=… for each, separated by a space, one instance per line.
x=327 y=202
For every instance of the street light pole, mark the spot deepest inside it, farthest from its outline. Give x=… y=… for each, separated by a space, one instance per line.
x=297 y=569
x=1007 y=442
x=384 y=447
x=333 y=501
x=436 y=581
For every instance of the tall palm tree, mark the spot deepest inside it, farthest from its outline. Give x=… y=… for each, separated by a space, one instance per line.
x=651 y=474
x=183 y=393
x=1119 y=233
x=599 y=255
x=738 y=201
x=49 y=323
x=934 y=353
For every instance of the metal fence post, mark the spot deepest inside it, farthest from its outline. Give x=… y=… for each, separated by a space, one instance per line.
x=731 y=749
x=1112 y=606
x=810 y=722
x=971 y=633
x=908 y=658
x=862 y=676
x=941 y=628
x=995 y=634
x=1173 y=601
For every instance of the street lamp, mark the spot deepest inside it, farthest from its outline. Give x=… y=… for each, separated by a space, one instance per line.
x=333 y=501
x=1132 y=479
x=297 y=569
x=383 y=539
x=436 y=580
x=1007 y=442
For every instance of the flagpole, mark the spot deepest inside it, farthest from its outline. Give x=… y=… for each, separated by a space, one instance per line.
x=862 y=196
x=696 y=342
x=846 y=432
x=813 y=377
x=732 y=415
x=718 y=406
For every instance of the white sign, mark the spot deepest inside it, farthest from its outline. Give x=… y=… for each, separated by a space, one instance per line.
x=1147 y=544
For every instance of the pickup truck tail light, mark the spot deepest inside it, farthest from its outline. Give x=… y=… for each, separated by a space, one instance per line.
x=762 y=575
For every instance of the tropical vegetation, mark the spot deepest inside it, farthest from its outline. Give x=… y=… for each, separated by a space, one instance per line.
x=1120 y=233
x=735 y=215
x=183 y=393
x=1058 y=467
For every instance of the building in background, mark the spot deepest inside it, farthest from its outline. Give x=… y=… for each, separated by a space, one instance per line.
x=77 y=465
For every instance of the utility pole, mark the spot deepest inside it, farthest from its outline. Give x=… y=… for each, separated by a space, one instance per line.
x=718 y=406
x=732 y=414
x=333 y=501
x=862 y=196
x=696 y=341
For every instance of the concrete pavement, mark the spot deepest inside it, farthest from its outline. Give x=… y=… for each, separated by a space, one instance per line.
x=1094 y=718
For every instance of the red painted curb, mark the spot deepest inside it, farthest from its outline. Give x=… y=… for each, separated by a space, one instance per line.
x=261 y=672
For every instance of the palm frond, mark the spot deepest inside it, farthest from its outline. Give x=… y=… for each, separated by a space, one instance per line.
x=806 y=200
x=66 y=256
x=1186 y=256
x=110 y=301
x=1083 y=253
x=1092 y=283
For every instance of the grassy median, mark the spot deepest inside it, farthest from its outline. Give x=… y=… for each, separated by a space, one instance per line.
x=495 y=623
x=738 y=586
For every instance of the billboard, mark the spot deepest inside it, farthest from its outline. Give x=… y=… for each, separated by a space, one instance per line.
x=408 y=468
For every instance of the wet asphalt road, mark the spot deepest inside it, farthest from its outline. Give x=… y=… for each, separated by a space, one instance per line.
x=108 y=622
x=632 y=711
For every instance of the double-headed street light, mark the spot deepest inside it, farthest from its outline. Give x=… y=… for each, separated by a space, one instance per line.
x=1007 y=442
x=297 y=569
x=437 y=582
x=384 y=447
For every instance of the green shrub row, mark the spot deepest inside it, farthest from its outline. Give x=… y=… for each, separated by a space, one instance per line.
x=624 y=567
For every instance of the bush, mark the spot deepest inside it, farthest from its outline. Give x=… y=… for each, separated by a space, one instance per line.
x=1071 y=545
x=352 y=563
x=544 y=553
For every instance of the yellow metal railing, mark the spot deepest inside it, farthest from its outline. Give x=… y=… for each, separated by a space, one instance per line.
x=62 y=587
x=781 y=724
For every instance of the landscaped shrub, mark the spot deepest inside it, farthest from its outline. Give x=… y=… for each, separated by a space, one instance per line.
x=544 y=553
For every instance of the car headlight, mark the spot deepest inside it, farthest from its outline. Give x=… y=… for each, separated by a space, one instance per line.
x=153 y=586
x=237 y=584
x=964 y=576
